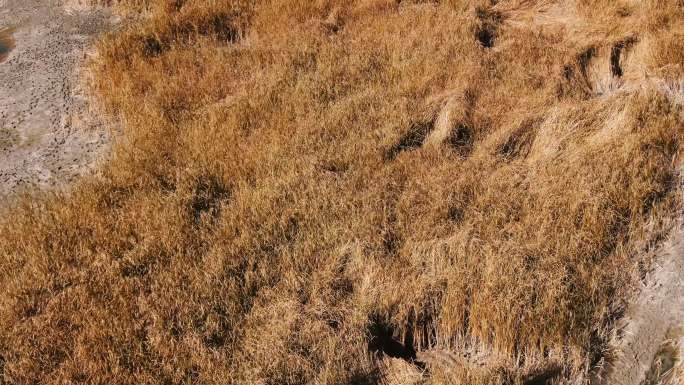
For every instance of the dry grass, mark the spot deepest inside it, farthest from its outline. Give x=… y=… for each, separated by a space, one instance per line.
x=667 y=367
x=355 y=192
x=6 y=43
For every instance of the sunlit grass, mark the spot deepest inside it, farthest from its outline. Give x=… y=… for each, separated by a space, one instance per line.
x=303 y=188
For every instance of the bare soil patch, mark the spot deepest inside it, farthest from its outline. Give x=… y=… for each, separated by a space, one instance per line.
x=48 y=136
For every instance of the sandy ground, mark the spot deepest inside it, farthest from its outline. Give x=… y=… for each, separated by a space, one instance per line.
x=654 y=322
x=47 y=135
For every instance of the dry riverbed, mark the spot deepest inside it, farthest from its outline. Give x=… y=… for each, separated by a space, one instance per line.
x=48 y=136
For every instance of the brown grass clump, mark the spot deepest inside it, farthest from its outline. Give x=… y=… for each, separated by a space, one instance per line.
x=6 y=43
x=355 y=192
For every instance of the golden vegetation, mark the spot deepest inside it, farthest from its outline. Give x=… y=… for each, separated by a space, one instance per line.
x=6 y=43
x=355 y=192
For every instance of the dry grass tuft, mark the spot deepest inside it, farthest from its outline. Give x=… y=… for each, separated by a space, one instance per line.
x=667 y=367
x=367 y=191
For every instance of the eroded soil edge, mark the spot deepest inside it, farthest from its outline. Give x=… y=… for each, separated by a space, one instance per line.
x=649 y=347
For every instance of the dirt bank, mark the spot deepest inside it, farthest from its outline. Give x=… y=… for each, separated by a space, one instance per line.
x=653 y=323
x=47 y=136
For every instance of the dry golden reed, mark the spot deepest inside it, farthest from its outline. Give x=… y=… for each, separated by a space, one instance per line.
x=355 y=192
